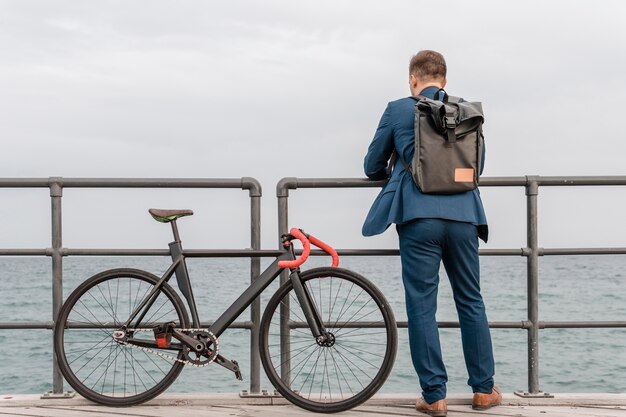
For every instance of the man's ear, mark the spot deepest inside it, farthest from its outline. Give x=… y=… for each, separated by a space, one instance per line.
x=412 y=80
x=443 y=84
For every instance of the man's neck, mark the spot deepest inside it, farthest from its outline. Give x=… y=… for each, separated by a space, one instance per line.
x=421 y=87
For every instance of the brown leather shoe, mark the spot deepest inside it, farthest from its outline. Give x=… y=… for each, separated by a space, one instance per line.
x=482 y=401
x=437 y=409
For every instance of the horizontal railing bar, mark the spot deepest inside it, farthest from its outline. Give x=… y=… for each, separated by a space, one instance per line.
x=287 y=183
x=247 y=253
x=291 y=183
x=503 y=182
x=244 y=183
x=24 y=182
x=580 y=324
x=583 y=251
x=21 y=325
x=25 y=252
x=228 y=253
x=295 y=183
x=151 y=183
x=123 y=182
x=404 y=324
x=523 y=324
x=26 y=325
x=581 y=180
x=115 y=252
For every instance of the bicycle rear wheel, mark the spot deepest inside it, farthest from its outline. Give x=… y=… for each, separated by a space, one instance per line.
x=344 y=371
x=94 y=364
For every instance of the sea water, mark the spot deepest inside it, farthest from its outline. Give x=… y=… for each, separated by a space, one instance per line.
x=570 y=288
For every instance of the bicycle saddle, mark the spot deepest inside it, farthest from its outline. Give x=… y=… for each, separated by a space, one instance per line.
x=166 y=216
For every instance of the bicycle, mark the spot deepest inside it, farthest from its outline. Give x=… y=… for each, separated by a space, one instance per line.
x=124 y=335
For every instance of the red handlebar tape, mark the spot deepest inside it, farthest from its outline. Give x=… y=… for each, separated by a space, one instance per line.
x=306 y=250
x=326 y=248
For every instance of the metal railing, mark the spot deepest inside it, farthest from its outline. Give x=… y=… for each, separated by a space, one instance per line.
x=532 y=251
x=57 y=252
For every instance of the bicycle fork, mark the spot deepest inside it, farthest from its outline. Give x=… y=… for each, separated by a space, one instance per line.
x=310 y=309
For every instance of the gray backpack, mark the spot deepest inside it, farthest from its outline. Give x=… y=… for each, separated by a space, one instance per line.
x=448 y=145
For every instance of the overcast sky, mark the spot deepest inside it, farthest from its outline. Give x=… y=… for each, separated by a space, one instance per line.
x=272 y=89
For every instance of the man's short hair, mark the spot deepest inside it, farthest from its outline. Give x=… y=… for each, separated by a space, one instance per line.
x=428 y=65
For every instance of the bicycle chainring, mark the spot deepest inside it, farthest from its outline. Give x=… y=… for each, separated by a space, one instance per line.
x=208 y=355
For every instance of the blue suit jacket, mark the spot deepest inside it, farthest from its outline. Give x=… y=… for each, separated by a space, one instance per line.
x=400 y=200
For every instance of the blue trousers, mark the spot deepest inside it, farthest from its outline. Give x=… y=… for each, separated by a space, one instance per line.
x=424 y=244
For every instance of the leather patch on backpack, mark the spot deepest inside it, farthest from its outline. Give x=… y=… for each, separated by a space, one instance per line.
x=464 y=175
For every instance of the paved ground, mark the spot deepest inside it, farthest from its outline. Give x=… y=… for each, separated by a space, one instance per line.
x=226 y=405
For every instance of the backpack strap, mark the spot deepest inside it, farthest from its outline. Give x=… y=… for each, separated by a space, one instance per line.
x=438 y=95
x=392 y=162
x=397 y=155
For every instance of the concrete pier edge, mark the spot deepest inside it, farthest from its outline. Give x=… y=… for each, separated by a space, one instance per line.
x=215 y=399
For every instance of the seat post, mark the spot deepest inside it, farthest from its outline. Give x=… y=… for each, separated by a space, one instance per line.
x=175 y=231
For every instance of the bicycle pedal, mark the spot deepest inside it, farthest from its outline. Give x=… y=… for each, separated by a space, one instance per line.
x=231 y=365
x=237 y=371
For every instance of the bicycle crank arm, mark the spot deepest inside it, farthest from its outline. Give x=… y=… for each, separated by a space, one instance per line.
x=193 y=344
x=231 y=365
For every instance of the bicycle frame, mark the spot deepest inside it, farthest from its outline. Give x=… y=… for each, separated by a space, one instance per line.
x=179 y=267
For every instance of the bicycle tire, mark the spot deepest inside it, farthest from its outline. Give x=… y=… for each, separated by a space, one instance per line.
x=356 y=354
x=88 y=356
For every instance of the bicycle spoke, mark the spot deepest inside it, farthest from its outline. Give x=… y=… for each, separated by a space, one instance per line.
x=299 y=350
x=106 y=368
x=337 y=372
x=292 y=311
x=345 y=335
x=94 y=356
x=343 y=358
x=153 y=313
x=351 y=304
x=335 y=302
x=363 y=360
x=323 y=374
x=89 y=349
x=305 y=360
x=314 y=368
x=117 y=298
x=109 y=301
x=361 y=350
x=350 y=320
x=291 y=343
x=138 y=301
x=93 y=314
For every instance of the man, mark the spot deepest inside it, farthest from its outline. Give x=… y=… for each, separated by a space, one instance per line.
x=432 y=228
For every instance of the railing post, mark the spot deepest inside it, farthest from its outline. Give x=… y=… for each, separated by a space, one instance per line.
x=282 y=193
x=56 y=195
x=532 y=271
x=255 y=271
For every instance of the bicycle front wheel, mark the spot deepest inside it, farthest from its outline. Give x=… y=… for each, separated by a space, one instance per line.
x=348 y=368
x=98 y=367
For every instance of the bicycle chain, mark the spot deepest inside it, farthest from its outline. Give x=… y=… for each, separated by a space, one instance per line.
x=173 y=358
